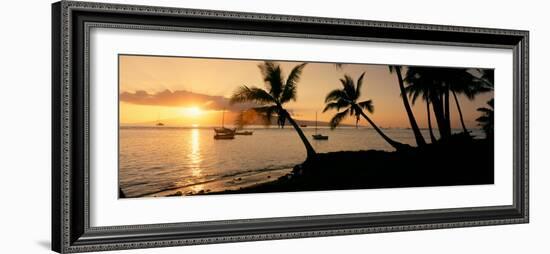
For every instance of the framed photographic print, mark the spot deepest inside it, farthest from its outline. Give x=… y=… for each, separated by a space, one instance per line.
x=180 y=126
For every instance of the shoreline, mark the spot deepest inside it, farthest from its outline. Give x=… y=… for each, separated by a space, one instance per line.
x=458 y=161
x=243 y=180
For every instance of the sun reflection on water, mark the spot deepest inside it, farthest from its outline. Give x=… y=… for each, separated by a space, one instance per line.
x=195 y=155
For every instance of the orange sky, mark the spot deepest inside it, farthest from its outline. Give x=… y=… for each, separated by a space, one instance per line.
x=185 y=91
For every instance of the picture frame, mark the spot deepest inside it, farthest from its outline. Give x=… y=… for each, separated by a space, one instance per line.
x=71 y=196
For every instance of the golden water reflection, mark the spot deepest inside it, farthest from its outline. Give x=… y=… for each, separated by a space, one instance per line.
x=195 y=155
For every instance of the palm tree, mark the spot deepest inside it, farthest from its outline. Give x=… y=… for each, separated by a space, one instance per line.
x=422 y=82
x=414 y=126
x=277 y=94
x=421 y=87
x=432 y=137
x=346 y=98
x=441 y=83
x=487 y=76
x=463 y=81
x=487 y=119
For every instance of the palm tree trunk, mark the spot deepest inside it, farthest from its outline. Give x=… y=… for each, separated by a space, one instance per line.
x=447 y=113
x=460 y=113
x=432 y=137
x=437 y=105
x=414 y=126
x=394 y=144
x=309 y=148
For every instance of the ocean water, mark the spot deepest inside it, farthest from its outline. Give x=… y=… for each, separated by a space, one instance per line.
x=158 y=161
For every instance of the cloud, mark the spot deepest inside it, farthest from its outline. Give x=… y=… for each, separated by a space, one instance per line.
x=181 y=98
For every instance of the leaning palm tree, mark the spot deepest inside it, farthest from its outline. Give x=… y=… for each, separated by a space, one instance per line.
x=414 y=126
x=487 y=119
x=277 y=93
x=347 y=99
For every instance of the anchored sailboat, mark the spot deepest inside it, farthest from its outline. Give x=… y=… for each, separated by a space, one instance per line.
x=224 y=133
x=317 y=136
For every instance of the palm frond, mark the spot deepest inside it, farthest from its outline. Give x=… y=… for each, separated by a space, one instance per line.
x=349 y=87
x=251 y=94
x=336 y=95
x=367 y=105
x=273 y=77
x=359 y=85
x=338 y=117
x=487 y=77
x=289 y=90
x=482 y=119
x=335 y=105
x=485 y=110
x=413 y=93
x=491 y=103
x=487 y=119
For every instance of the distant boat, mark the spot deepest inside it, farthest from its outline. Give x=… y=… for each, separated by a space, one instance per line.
x=303 y=125
x=159 y=123
x=224 y=133
x=247 y=133
x=317 y=136
x=224 y=130
x=224 y=136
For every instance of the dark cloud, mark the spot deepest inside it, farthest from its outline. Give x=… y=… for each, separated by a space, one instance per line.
x=181 y=98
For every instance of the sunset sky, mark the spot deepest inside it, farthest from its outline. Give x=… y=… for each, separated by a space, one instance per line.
x=183 y=91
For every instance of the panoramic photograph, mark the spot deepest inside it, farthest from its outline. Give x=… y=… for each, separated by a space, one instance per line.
x=207 y=126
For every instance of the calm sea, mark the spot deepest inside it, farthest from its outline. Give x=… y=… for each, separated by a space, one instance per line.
x=157 y=161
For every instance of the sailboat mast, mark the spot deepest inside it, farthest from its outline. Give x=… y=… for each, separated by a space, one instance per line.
x=315 y=122
x=223 y=117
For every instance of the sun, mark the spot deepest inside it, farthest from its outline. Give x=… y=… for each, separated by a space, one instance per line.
x=193 y=111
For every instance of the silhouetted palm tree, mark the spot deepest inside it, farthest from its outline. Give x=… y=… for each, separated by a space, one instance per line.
x=463 y=81
x=346 y=98
x=414 y=126
x=420 y=82
x=441 y=83
x=422 y=86
x=487 y=76
x=432 y=136
x=278 y=93
x=487 y=119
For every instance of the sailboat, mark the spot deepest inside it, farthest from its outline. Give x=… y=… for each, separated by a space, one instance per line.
x=159 y=123
x=224 y=133
x=317 y=136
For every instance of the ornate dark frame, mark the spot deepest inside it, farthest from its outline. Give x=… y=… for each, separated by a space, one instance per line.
x=71 y=22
